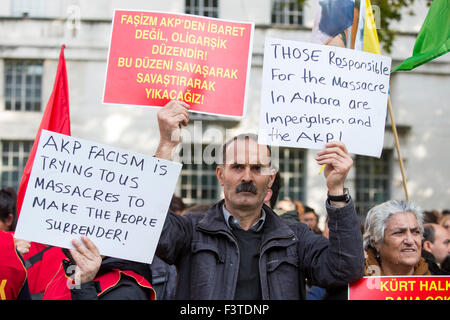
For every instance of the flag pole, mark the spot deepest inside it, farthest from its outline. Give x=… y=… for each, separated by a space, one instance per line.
x=397 y=146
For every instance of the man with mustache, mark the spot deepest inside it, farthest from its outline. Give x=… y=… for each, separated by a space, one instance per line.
x=240 y=249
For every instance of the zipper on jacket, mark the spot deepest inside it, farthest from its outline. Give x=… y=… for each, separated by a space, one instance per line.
x=291 y=236
x=231 y=236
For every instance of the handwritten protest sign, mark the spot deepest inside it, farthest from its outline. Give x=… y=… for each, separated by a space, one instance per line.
x=313 y=94
x=156 y=57
x=117 y=198
x=401 y=288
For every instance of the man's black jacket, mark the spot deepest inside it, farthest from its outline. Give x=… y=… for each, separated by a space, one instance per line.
x=207 y=256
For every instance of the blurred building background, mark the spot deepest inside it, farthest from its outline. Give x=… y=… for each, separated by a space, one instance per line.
x=31 y=35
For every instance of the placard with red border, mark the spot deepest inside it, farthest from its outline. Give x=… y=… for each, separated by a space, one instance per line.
x=155 y=57
x=401 y=288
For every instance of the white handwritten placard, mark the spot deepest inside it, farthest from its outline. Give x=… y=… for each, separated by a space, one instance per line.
x=313 y=94
x=118 y=199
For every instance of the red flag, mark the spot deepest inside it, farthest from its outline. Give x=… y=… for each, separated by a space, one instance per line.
x=56 y=118
x=42 y=263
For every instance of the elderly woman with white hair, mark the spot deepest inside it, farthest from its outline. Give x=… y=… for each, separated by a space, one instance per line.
x=393 y=240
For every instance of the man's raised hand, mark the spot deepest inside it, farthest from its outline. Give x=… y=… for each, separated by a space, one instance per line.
x=337 y=163
x=170 y=118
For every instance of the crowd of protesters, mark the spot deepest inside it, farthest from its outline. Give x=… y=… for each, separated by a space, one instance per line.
x=433 y=244
x=214 y=250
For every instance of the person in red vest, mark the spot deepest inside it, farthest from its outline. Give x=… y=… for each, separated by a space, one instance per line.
x=41 y=261
x=13 y=275
x=8 y=213
x=86 y=275
x=8 y=218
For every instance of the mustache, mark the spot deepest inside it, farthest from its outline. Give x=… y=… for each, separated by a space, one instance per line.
x=246 y=187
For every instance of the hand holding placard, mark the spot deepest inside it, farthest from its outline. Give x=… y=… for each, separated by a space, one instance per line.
x=170 y=118
x=337 y=163
x=87 y=258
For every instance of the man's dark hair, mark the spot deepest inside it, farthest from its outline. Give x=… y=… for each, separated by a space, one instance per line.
x=177 y=204
x=243 y=136
x=309 y=209
x=429 y=217
x=275 y=190
x=428 y=233
x=8 y=199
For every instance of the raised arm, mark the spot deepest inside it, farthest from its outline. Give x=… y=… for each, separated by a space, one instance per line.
x=176 y=231
x=341 y=259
